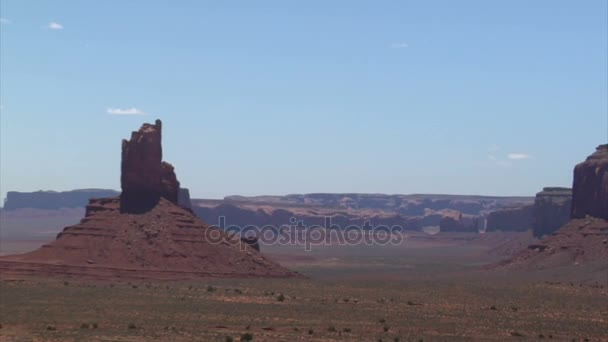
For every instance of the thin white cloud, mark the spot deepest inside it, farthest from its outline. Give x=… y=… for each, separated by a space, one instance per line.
x=518 y=156
x=125 y=111
x=5 y=21
x=55 y=26
x=399 y=45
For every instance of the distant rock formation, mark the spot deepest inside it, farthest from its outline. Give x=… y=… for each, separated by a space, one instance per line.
x=144 y=234
x=590 y=186
x=183 y=198
x=584 y=239
x=551 y=210
x=411 y=212
x=459 y=222
x=518 y=219
x=52 y=200
x=144 y=177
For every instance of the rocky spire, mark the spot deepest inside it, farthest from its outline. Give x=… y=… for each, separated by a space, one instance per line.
x=144 y=177
x=590 y=186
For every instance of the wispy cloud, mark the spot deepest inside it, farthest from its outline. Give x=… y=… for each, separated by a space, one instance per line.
x=518 y=156
x=401 y=45
x=5 y=21
x=55 y=26
x=125 y=111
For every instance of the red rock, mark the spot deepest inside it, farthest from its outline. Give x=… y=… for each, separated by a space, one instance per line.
x=145 y=178
x=518 y=219
x=144 y=234
x=590 y=186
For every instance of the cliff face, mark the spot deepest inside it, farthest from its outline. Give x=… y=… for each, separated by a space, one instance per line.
x=51 y=200
x=590 y=184
x=511 y=219
x=145 y=178
x=551 y=210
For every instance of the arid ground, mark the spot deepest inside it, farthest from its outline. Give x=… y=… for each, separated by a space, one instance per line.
x=430 y=288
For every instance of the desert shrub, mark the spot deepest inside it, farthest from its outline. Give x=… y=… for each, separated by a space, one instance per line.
x=84 y=326
x=65 y=283
x=95 y=325
x=347 y=330
x=345 y=300
x=493 y=308
x=517 y=334
x=296 y=329
x=247 y=337
x=239 y=291
x=382 y=321
x=331 y=329
x=210 y=288
x=396 y=339
x=281 y=298
x=229 y=339
x=386 y=328
x=51 y=328
x=310 y=332
x=514 y=308
x=248 y=327
x=132 y=326
x=134 y=286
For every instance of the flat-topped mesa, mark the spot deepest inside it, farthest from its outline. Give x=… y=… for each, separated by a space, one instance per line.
x=551 y=210
x=144 y=177
x=590 y=186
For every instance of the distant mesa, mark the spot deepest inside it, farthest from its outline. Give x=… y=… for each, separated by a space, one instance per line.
x=148 y=232
x=52 y=200
x=551 y=210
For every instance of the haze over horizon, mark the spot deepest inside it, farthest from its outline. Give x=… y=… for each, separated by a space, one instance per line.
x=273 y=98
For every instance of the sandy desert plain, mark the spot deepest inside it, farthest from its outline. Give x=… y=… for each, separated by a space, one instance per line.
x=430 y=288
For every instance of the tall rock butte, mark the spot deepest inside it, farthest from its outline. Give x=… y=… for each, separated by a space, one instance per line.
x=583 y=240
x=144 y=233
x=144 y=177
x=590 y=186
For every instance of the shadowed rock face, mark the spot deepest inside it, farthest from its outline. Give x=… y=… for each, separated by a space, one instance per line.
x=145 y=178
x=183 y=198
x=551 y=210
x=511 y=219
x=590 y=186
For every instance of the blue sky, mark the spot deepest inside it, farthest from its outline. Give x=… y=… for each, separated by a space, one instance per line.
x=277 y=97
